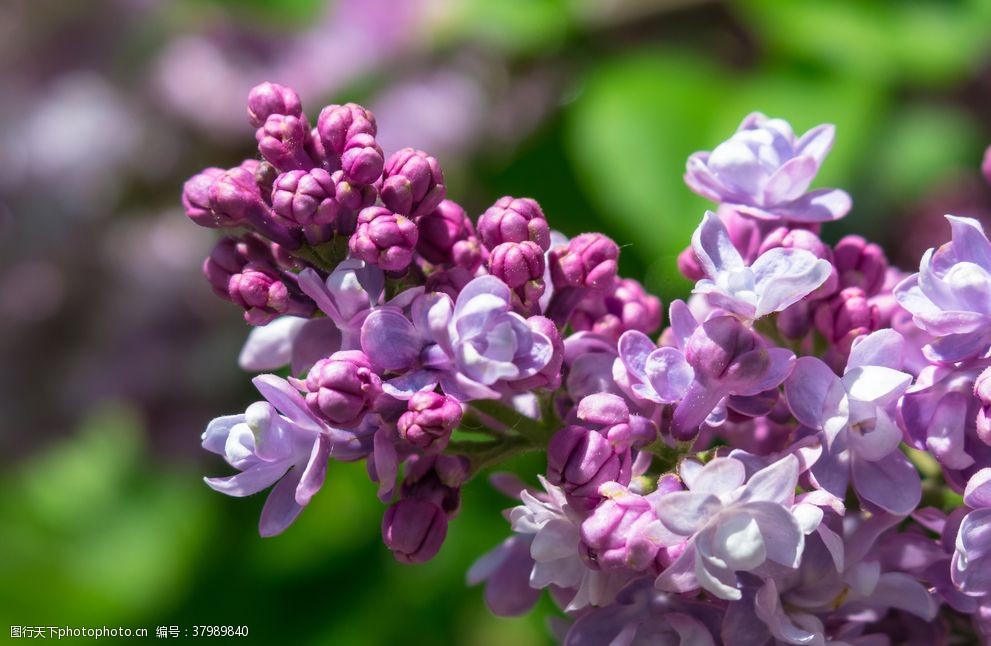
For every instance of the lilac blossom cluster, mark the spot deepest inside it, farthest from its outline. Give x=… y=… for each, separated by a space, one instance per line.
x=801 y=456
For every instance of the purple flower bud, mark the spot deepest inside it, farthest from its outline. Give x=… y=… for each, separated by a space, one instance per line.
x=338 y=124
x=845 y=316
x=521 y=266
x=449 y=281
x=342 y=388
x=581 y=458
x=627 y=307
x=437 y=479
x=230 y=256
x=446 y=236
x=860 y=264
x=309 y=199
x=986 y=165
x=362 y=160
x=549 y=376
x=429 y=420
x=413 y=184
x=589 y=260
x=982 y=391
x=513 y=219
x=261 y=293
x=267 y=99
x=236 y=197
x=282 y=140
x=384 y=239
x=689 y=266
x=414 y=529
x=618 y=533
x=196 y=199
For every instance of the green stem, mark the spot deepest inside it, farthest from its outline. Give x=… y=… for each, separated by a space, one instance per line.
x=513 y=420
x=482 y=455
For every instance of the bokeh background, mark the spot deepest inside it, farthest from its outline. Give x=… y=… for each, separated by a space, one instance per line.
x=114 y=354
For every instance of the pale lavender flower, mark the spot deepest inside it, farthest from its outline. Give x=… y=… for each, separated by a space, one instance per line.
x=764 y=171
x=468 y=347
x=854 y=415
x=643 y=615
x=732 y=524
x=971 y=564
x=776 y=279
x=950 y=296
x=279 y=442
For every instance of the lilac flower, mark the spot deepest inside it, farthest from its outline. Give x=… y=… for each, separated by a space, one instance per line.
x=765 y=172
x=642 y=615
x=280 y=442
x=950 y=296
x=775 y=280
x=384 y=239
x=971 y=565
x=854 y=415
x=468 y=347
x=731 y=526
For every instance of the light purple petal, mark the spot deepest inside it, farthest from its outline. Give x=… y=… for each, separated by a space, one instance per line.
x=313 y=286
x=969 y=241
x=884 y=348
x=251 y=481
x=783 y=277
x=269 y=347
x=683 y=512
x=816 y=395
x=317 y=339
x=669 y=374
x=718 y=476
x=281 y=508
x=683 y=322
x=899 y=590
x=877 y=442
x=775 y=482
x=875 y=384
x=978 y=492
x=820 y=205
x=782 y=362
x=790 y=180
x=316 y=470
x=713 y=247
x=405 y=386
x=680 y=575
x=287 y=401
x=891 y=483
x=214 y=438
x=634 y=348
x=390 y=340
x=701 y=180
x=945 y=436
x=817 y=142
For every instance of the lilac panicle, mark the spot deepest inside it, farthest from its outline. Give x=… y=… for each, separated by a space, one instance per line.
x=764 y=171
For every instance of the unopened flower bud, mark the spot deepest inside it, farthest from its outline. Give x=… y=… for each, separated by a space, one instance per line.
x=338 y=124
x=414 y=529
x=429 y=420
x=342 y=388
x=626 y=307
x=860 y=264
x=590 y=260
x=282 y=141
x=261 y=293
x=363 y=160
x=384 y=239
x=413 y=183
x=514 y=220
x=446 y=236
x=617 y=535
x=982 y=392
x=521 y=266
x=196 y=200
x=267 y=99
x=844 y=317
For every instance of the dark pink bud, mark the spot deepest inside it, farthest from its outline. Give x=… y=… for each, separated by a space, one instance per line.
x=429 y=420
x=384 y=239
x=267 y=99
x=363 y=159
x=627 y=307
x=446 y=236
x=618 y=533
x=196 y=199
x=282 y=140
x=513 y=219
x=413 y=183
x=261 y=293
x=521 y=266
x=342 y=388
x=688 y=265
x=844 y=317
x=338 y=124
x=308 y=199
x=237 y=198
x=580 y=460
x=414 y=529
x=590 y=260
x=860 y=264
x=986 y=165
x=230 y=255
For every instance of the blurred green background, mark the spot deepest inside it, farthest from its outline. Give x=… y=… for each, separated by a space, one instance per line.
x=115 y=355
